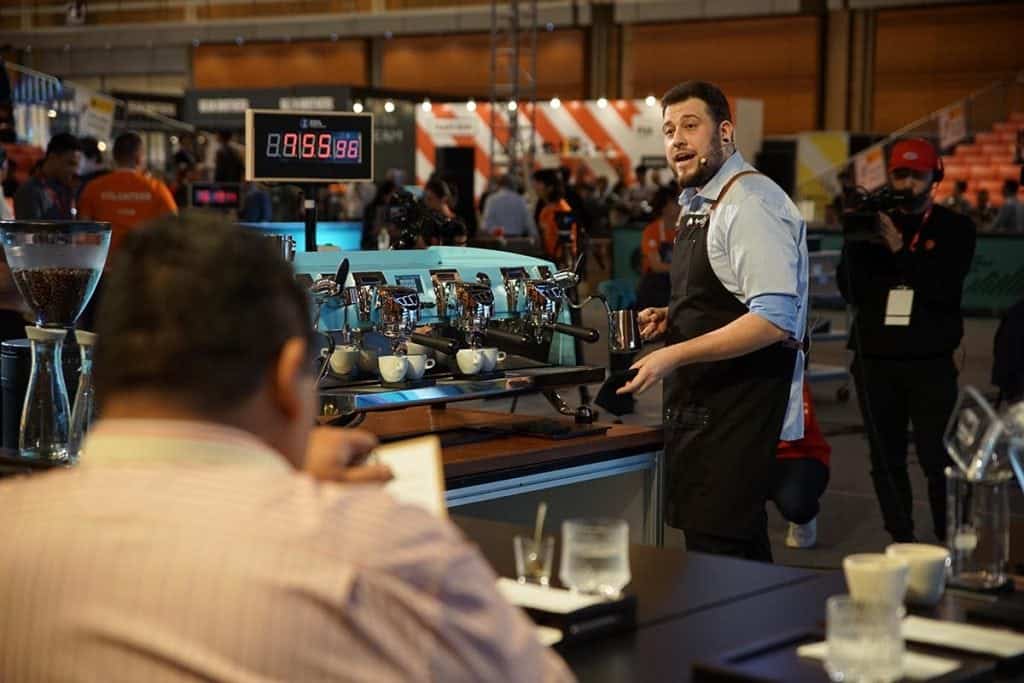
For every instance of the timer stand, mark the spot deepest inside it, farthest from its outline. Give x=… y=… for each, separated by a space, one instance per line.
x=309 y=206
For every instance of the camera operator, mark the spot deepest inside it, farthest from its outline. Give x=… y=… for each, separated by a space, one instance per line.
x=905 y=283
x=557 y=225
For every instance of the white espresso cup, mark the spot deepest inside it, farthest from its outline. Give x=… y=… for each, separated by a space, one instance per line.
x=418 y=364
x=471 y=361
x=492 y=357
x=874 y=577
x=393 y=368
x=344 y=360
x=928 y=565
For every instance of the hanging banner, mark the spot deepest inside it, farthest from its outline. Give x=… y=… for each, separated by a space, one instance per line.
x=952 y=125
x=97 y=118
x=869 y=168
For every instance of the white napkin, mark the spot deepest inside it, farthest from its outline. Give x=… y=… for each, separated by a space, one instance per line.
x=915 y=665
x=990 y=641
x=533 y=596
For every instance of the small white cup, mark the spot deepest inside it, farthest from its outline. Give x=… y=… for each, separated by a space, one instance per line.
x=344 y=360
x=393 y=368
x=492 y=357
x=471 y=361
x=874 y=577
x=418 y=364
x=928 y=566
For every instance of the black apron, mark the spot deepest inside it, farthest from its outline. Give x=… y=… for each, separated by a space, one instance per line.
x=722 y=419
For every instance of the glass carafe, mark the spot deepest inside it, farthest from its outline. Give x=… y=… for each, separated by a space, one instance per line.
x=978 y=529
x=84 y=410
x=45 y=416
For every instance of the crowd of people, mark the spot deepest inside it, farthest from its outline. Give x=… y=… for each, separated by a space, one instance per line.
x=1007 y=218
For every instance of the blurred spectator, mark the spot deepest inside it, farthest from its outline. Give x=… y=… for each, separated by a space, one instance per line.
x=127 y=197
x=286 y=203
x=6 y=209
x=256 y=205
x=186 y=168
x=1011 y=214
x=958 y=200
x=228 y=166
x=50 y=192
x=375 y=219
x=619 y=216
x=506 y=212
x=492 y=186
x=92 y=165
x=602 y=188
x=983 y=211
x=558 y=228
x=440 y=197
x=9 y=185
x=592 y=213
x=656 y=245
x=1008 y=356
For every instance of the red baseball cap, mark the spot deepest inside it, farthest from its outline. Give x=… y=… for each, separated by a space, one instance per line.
x=915 y=154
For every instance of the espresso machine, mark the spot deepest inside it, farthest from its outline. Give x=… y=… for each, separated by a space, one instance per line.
x=447 y=301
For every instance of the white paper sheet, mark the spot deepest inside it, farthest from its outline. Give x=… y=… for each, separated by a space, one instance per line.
x=533 y=596
x=992 y=641
x=916 y=666
x=419 y=476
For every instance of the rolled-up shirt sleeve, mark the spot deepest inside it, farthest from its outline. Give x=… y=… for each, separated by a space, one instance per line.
x=764 y=252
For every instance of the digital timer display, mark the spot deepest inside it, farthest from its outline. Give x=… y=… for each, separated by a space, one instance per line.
x=288 y=146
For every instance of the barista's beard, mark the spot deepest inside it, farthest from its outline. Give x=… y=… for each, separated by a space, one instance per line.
x=705 y=172
x=917 y=203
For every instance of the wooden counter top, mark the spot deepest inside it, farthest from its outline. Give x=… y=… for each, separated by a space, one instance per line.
x=507 y=452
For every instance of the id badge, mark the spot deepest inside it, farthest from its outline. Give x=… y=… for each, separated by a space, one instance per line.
x=898 y=307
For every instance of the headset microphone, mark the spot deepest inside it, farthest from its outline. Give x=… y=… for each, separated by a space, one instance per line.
x=703 y=161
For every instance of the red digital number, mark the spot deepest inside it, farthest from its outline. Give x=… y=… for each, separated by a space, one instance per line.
x=308 y=145
x=353 y=148
x=323 y=146
x=291 y=142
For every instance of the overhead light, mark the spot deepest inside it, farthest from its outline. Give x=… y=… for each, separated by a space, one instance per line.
x=555 y=103
x=426 y=106
x=602 y=102
x=52 y=113
x=239 y=40
x=102 y=146
x=512 y=105
x=357 y=107
x=549 y=26
x=471 y=105
x=334 y=37
x=651 y=100
x=389 y=106
x=196 y=42
x=388 y=35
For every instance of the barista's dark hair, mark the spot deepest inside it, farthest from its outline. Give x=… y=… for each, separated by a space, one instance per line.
x=196 y=309
x=708 y=93
x=551 y=178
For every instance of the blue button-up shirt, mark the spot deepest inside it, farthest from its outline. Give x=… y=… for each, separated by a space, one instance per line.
x=757 y=246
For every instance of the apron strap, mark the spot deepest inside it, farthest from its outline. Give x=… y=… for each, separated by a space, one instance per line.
x=725 y=189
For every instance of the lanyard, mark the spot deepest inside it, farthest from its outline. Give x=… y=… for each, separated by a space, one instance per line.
x=917 y=236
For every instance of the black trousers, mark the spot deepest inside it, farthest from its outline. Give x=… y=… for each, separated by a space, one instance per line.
x=893 y=393
x=797 y=487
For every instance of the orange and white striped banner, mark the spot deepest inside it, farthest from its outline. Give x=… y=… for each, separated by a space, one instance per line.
x=623 y=132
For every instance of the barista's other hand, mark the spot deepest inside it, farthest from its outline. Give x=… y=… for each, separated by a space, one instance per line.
x=651 y=369
x=653 y=322
x=335 y=454
x=890 y=233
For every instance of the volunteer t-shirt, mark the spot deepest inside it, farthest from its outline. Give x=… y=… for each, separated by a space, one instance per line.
x=126 y=199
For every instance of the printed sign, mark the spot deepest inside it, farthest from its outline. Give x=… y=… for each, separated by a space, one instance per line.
x=97 y=118
x=952 y=125
x=869 y=168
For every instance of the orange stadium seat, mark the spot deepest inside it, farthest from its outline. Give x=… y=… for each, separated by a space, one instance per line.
x=998 y=149
x=1008 y=171
x=1007 y=137
x=981 y=171
x=956 y=171
x=985 y=138
x=966 y=151
x=1017 y=117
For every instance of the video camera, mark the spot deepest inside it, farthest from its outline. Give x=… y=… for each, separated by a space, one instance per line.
x=565 y=220
x=861 y=208
x=417 y=224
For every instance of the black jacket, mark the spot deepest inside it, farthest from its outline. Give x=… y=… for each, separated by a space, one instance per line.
x=935 y=268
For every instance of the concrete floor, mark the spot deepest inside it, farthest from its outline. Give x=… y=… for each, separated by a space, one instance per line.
x=850 y=520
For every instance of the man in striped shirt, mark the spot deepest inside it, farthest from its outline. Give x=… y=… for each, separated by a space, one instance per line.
x=189 y=545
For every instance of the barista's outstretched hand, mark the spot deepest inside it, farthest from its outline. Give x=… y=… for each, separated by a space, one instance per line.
x=651 y=369
x=653 y=322
x=339 y=455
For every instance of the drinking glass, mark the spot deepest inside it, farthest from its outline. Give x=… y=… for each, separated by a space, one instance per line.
x=595 y=556
x=978 y=532
x=865 y=643
x=533 y=560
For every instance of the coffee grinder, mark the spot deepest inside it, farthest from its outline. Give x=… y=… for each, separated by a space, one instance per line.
x=56 y=266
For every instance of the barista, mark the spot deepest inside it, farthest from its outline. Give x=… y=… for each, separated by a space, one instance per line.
x=731 y=367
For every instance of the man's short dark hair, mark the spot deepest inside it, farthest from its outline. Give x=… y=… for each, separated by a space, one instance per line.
x=62 y=143
x=91 y=148
x=196 y=309
x=126 y=147
x=708 y=93
x=960 y=185
x=1010 y=188
x=551 y=178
